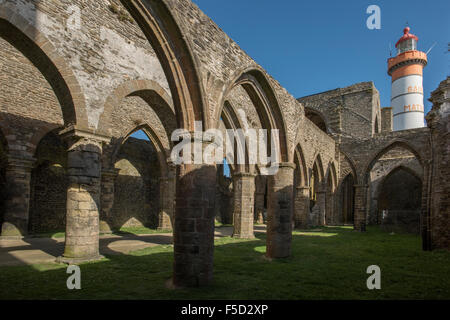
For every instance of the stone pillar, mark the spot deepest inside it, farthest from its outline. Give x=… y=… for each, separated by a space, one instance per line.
x=301 y=207
x=244 y=192
x=107 y=199
x=167 y=187
x=280 y=206
x=83 y=196
x=194 y=225
x=321 y=197
x=17 y=202
x=360 y=208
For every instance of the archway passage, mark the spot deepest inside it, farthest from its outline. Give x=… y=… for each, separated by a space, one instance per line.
x=317 y=197
x=347 y=202
x=49 y=183
x=136 y=187
x=400 y=199
x=224 y=194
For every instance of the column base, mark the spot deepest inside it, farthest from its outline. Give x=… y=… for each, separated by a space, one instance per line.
x=66 y=260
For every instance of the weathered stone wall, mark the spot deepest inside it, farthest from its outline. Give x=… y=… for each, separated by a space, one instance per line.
x=28 y=105
x=102 y=52
x=49 y=183
x=351 y=111
x=136 y=197
x=391 y=160
x=439 y=122
x=387 y=123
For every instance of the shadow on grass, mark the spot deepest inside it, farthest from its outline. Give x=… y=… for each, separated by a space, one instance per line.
x=321 y=267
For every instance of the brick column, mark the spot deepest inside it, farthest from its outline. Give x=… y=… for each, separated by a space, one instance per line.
x=83 y=196
x=360 y=208
x=244 y=192
x=107 y=199
x=167 y=194
x=194 y=225
x=301 y=207
x=280 y=203
x=17 y=202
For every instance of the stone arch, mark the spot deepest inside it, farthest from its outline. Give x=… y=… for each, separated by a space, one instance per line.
x=301 y=170
x=331 y=175
x=391 y=145
x=145 y=89
x=351 y=164
x=37 y=48
x=317 y=192
x=265 y=100
x=330 y=192
x=159 y=26
x=318 y=162
x=163 y=155
x=317 y=118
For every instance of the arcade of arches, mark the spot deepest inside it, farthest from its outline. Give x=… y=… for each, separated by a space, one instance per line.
x=85 y=138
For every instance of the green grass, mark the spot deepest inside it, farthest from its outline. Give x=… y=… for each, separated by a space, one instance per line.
x=326 y=263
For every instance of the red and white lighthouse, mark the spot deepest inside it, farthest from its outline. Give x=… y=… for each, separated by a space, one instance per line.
x=406 y=70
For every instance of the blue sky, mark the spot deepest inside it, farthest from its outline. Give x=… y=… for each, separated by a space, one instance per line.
x=314 y=46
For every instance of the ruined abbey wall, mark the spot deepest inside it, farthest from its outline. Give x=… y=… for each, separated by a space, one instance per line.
x=90 y=74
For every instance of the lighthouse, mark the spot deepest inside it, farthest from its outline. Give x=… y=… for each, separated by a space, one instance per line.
x=406 y=71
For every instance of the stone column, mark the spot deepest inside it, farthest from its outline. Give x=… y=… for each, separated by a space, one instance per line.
x=360 y=208
x=321 y=197
x=167 y=187
x=301 y=206
x=107 y=199
x=244 y=192
x=83 y=196
x=17 y=204
x=280 y=206
x=194 y=225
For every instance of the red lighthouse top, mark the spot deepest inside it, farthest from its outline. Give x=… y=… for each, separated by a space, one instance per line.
x=406 y=36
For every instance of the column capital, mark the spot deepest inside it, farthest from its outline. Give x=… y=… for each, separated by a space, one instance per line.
x=73 y=134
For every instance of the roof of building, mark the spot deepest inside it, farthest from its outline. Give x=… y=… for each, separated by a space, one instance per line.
x=406 y=36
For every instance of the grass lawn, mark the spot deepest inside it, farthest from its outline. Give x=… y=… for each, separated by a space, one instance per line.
x=326 y=263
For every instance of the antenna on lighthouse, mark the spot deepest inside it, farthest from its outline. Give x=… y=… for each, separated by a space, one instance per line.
x=431 y=48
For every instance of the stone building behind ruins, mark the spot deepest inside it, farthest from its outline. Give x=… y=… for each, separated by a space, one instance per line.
x=78 y=78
